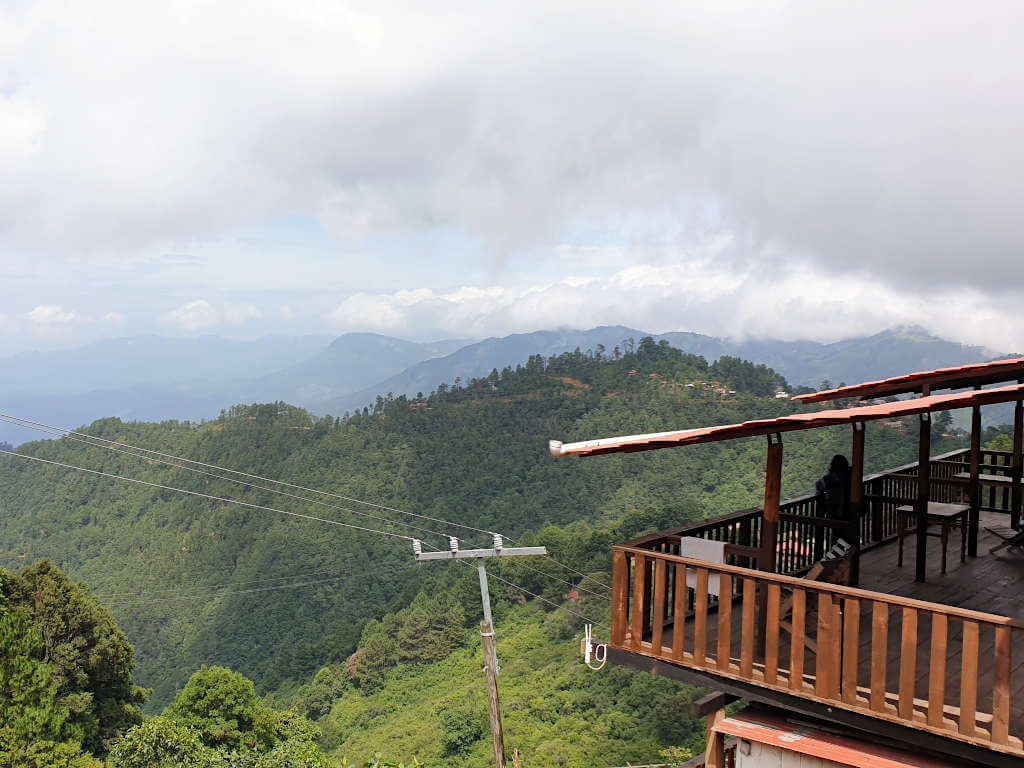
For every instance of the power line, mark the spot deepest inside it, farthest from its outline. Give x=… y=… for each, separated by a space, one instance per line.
x=128 y=450
x=223 y=592
x=193 y=587
x=119 y=446
x=542 y=599
x=269 y=509
x=206 y=495
x=27 y=422
x=212 y=595
x=564 y=581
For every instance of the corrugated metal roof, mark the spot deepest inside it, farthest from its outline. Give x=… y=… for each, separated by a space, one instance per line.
x=790 y=423
x=772 y=730
x=941 y=378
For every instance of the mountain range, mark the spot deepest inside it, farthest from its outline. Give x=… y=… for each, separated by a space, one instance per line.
x=154 y=378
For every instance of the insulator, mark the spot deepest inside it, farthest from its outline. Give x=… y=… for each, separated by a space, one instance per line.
x=417 y=547
x=498 y=543
x=454 y=543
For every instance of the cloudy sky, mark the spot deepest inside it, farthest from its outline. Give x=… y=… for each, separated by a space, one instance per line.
x=795 y=170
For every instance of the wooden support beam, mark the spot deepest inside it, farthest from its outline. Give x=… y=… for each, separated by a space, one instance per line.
x=1018 y=464
x=772 y=501
x=923 y=476
x=867 y=725
x=714 y=754
x=769 y=528
x=711 y=704
x=974 y=515
x=856 y=501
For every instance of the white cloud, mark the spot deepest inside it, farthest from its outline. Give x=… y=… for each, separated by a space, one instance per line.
x=48 y=315
x=192 y=316
x=241 y=313
x=21 y=129
x=115 y=318
x=199 y=314
x=802 y=302
x=854 y=160
x=519 y=124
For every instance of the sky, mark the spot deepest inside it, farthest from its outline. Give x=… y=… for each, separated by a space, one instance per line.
x=796 y=170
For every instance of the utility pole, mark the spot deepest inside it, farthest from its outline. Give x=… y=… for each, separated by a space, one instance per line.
x=487 y=625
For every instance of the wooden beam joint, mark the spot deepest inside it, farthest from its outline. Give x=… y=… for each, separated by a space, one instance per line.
x=711 y=703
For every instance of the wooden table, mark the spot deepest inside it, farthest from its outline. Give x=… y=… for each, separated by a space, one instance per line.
x=986 y=479
x=946 y=515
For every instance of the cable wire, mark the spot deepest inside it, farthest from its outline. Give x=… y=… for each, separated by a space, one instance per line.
x=128 y=450
x=549 y=602
x=26 y=422
x=206 y=495
x=193 y=587
x=491 y=575
x=216 y=594
x=30 y=424
x=224 y=592
x=564 y=581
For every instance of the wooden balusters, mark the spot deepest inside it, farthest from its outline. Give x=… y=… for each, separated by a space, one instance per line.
x=796 y=647
x=908 y=663
x=650 y=590
x=1001 y=688
x=679 y=614
x=658 y=606
x=826 y=677
x=620 y=597
x=969 y=679
x=879 y=653
x=700 y=630
x=771 y=631
x=851 y=646
x=722 y=651
x=937 y=670
x=747 y=639
x=639 y=592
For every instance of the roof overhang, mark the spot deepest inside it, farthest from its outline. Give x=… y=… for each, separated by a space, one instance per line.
x=775 y=731
x=790 y=423
x=959 y=377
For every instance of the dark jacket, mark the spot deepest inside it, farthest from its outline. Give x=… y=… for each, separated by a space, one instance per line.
x=835 y=489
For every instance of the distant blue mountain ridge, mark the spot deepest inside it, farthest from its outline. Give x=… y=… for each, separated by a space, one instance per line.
x=154 y=378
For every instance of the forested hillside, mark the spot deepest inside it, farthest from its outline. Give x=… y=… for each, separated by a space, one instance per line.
x=194 y=581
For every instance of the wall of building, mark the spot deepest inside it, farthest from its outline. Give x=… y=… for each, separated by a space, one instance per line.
x=767 y=756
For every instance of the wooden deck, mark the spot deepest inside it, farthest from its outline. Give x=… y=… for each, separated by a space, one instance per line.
x=989 y=583
x=827 y=644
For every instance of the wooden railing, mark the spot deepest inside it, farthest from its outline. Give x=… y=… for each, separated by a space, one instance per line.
x=805 y=535
x=663 y=606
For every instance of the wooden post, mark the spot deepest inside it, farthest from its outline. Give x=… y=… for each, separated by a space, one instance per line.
x=621 y=581
x=1018 y=463
x=772 y=499
x=974 y=492
x=856 y=501
x=769 y=527
x=714 y=753
x=491 y=667
x=923 y=477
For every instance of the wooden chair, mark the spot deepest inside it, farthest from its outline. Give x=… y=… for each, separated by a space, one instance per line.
x=833 y=568
x=1013 y=541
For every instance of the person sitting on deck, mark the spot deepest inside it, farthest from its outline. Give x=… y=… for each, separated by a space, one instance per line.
x=835 y=488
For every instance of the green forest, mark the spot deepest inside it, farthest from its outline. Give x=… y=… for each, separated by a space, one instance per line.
x=197 y=632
